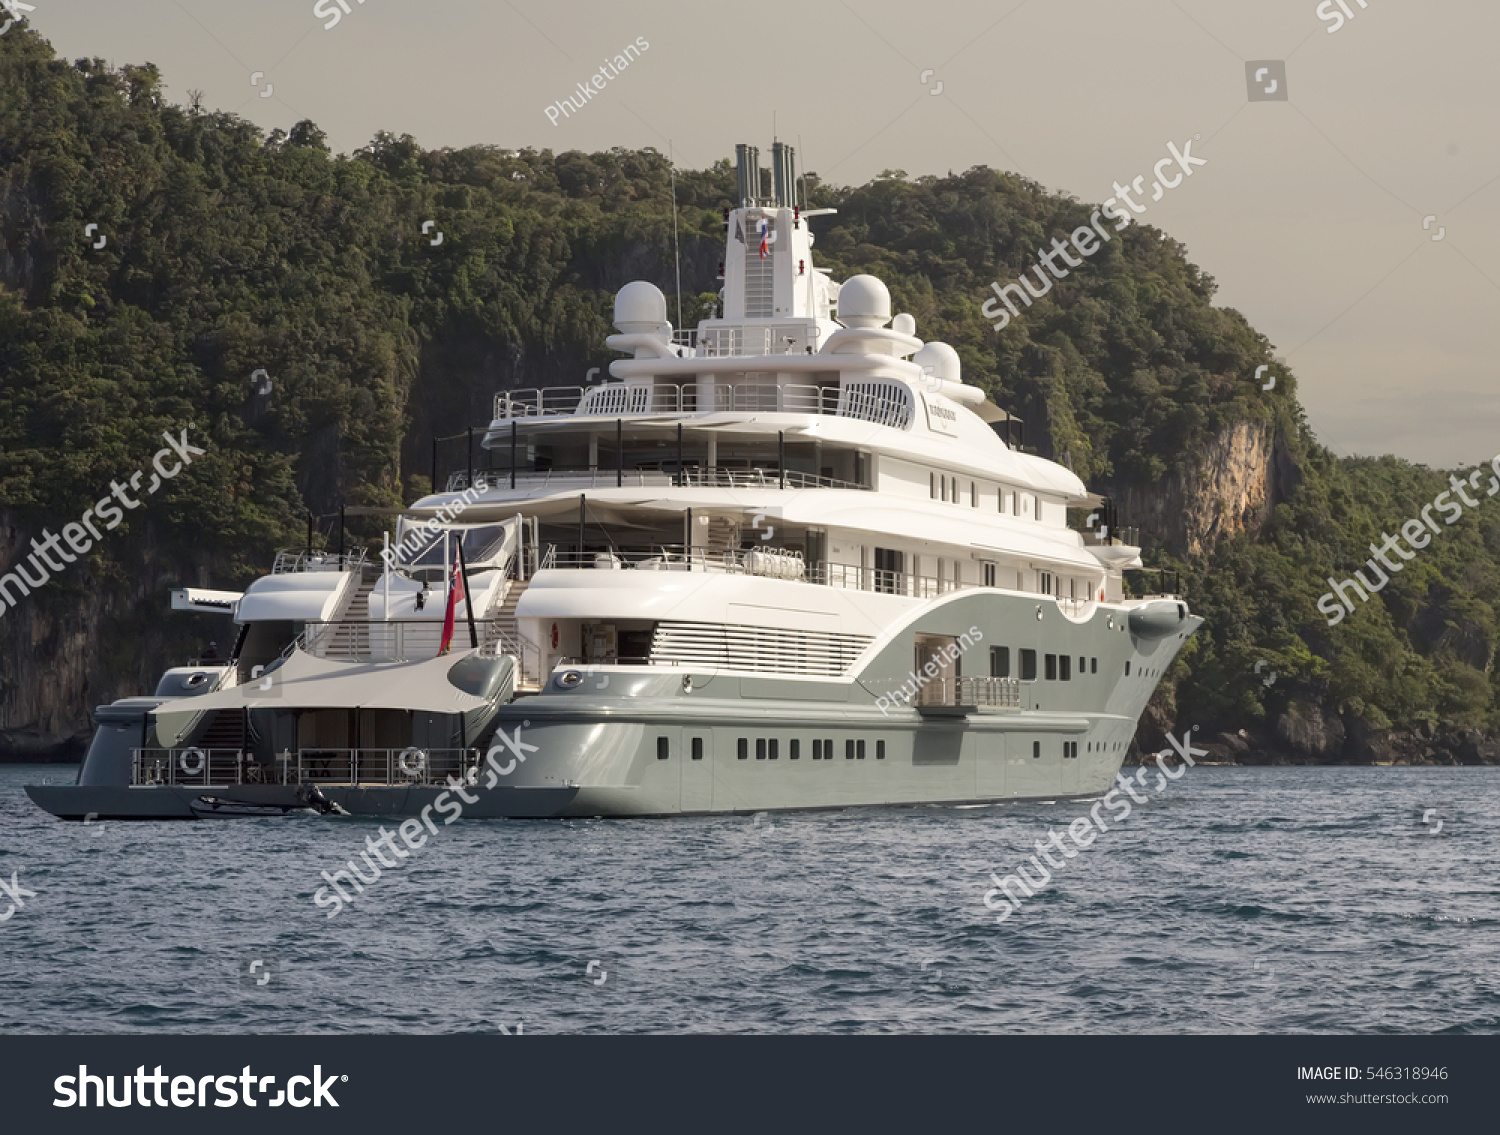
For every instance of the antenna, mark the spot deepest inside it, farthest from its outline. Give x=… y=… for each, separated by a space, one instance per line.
x=801 y=188
x=676 y=247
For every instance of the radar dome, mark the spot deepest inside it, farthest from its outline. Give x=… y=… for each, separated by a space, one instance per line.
x=904 y=324
x=941 y=358
x=864 y=301
x=640 y=308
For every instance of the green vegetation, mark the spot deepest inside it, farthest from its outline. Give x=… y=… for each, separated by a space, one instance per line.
x=231 y=252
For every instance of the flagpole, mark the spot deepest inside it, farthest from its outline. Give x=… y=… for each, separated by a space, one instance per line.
x=463 y=566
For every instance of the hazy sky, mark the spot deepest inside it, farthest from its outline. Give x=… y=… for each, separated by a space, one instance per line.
x=1309 y=214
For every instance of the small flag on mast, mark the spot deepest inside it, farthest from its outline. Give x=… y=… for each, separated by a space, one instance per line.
x=765 y=239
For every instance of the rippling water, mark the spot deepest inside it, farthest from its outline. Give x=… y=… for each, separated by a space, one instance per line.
x=1257 y=900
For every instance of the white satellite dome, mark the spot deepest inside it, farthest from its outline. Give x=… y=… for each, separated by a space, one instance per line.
x=864 y=301
x=640 y=308
x=943 y=360
x=904 y=324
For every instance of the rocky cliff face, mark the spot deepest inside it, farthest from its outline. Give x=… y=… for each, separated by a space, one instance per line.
x=1229 y=488
x=83 y=640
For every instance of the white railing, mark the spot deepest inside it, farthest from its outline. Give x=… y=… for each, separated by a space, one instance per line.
x=304 y=559
x=617 y=399
x=601 y=477
x=222 y=768
x=721 y=342
x=1004 y=693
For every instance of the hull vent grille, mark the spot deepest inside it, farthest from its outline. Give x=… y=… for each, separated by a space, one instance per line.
x=760 y=650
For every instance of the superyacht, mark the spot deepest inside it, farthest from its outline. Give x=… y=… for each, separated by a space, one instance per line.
x=787 y=560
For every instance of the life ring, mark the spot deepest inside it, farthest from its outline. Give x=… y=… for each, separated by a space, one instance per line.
x=182 y=762
x=421 y=762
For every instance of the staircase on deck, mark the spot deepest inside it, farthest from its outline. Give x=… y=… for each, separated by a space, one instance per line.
x=350 y=637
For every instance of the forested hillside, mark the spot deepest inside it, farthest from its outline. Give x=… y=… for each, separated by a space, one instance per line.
x=228 y=252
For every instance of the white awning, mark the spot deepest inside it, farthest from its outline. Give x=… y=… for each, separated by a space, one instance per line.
x=305 y=682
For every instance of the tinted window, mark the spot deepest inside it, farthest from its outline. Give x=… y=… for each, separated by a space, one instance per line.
x=760 y=748
x=1051 y=667
x=1066 y=663
x=794 y=749
x=744 y=747
x=697 y=748
x=663 y=748
x=1028 y=666
x=880 y=750
x=999 y=662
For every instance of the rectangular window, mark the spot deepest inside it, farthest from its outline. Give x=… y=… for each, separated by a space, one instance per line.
x=1046 y=586
x=1093 y=666
x=794 y=749
x=861 y=750
x=774 y=744
x=760 y=748
x=848 y=750
x=1127 y=669
x=1051 y=667
x=1038 y=508
x=697 y=748
x=828 y=748
x=1036 y=750
x=1000 y=500
x=817 y=749
x=989 y=575
x=663 y=748
x=744 y=749
x=932 y=485
x=999 y=662
x=880 y=750
x=1066 y=664
x=974 y=493
x=889 y=567
x=1082 y=666
x=1028 y=666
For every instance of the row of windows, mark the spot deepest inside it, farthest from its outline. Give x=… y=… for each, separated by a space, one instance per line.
x=1070 y=750
x=1059 y=667
x=768 y=749
x=950 y=489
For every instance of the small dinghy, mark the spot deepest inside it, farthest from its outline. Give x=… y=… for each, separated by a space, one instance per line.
x=214 y=808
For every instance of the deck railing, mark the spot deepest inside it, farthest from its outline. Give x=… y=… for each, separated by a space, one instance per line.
x=575 y=477
x=617 y=399
x=222 y=768
x=1004 y=693
x=306 y=559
